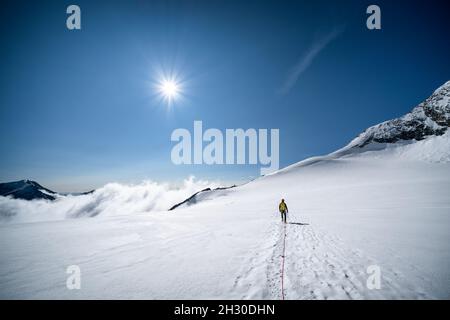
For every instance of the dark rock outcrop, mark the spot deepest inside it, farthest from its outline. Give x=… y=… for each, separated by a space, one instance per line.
x=193 y=199
x=431 y=117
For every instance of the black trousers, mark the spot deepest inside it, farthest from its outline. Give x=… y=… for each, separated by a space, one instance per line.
x=283 y=216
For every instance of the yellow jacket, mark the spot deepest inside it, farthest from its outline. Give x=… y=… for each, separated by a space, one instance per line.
x=283 y=207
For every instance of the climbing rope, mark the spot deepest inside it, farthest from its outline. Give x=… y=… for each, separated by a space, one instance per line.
x=282 y=263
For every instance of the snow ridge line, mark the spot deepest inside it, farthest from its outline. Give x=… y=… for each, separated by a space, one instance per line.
x=282 y=263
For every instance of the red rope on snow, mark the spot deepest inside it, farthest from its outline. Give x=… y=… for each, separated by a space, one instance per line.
x=282 y=264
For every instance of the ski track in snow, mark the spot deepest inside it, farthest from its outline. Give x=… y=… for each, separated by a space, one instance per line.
x=317 y=266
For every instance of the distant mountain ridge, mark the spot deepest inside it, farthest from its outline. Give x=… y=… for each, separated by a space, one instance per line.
x=197 y=196
x=31 y=190
x=27 y=190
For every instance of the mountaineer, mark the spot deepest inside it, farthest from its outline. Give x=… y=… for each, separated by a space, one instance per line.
x=283 y=210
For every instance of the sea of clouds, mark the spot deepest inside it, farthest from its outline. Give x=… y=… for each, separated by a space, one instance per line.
x=109 y=200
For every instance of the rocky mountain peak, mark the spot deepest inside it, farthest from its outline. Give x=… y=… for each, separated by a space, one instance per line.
x=431 y=117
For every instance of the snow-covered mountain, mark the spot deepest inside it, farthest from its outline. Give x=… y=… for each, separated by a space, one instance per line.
x=27 y=190
x=31 y=190
x=381 y=202
x=421 y=134
x=430 y=118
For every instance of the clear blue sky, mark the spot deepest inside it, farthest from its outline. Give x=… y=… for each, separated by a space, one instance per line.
x=77 y=109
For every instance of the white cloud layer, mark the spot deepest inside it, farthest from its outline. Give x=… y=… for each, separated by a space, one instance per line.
x=109 y=200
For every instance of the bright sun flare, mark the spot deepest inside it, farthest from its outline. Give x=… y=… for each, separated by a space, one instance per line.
x=169 y=89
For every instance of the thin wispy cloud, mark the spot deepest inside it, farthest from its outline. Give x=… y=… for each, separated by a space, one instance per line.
x=306 y=60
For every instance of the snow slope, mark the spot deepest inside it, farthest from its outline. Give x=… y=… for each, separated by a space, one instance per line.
x=382 y=204
x=361 y=211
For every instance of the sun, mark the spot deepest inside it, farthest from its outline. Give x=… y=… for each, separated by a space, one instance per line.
x=169 y=90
